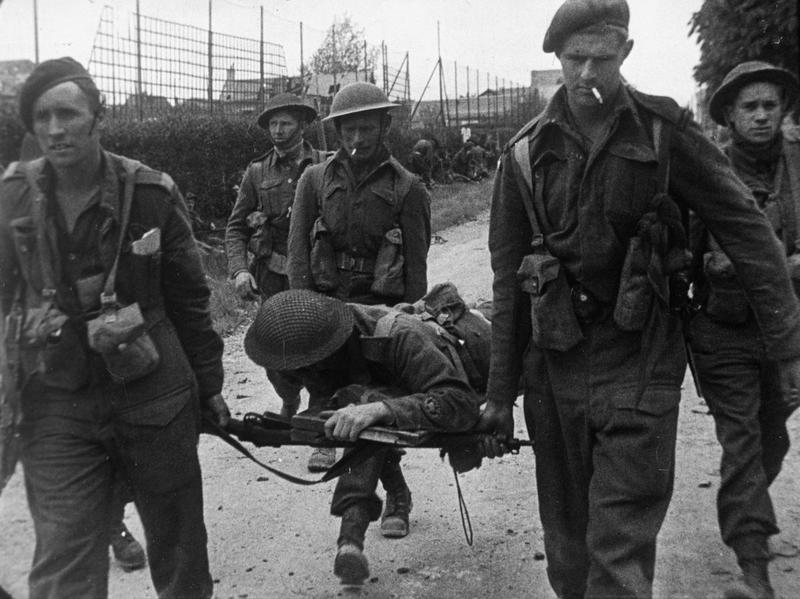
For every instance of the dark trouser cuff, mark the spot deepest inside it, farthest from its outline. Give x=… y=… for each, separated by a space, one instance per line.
x=750 y=547
x=355 y=521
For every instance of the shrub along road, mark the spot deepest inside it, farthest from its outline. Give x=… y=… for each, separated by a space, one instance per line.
x=271 y=539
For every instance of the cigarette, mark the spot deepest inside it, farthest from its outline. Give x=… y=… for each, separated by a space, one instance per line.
x=353 y=151
x=596 y=94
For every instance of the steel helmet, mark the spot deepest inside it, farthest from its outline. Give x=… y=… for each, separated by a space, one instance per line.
x=743 y=74
x=296 y=328
x=358 y=97
x=285 y=101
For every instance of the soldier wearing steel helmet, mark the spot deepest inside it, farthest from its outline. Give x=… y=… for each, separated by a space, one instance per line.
x=360 y=232
x=259 y=222
x=738 y=378
x=381 y=367
x=589 y=252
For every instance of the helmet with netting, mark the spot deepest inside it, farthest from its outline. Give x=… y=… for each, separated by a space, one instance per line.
x=297 y=328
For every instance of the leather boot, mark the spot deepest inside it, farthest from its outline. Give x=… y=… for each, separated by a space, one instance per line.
x=350 y=564
x=321 y=459
x=394 y=521
x=126 y=549
x=755 y=582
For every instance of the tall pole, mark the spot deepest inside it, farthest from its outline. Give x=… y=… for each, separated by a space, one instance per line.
x=469 y=115
x=36 y=29
x=505 y=114
x=441 y=84
x=261 y=88
x=408 y=78
x=210 y=64
x=366 y=71
x=302 y=65
x=139 y=96
x=478 y=93
x=455 y=91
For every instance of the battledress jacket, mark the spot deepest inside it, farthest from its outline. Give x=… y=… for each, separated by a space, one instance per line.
x=592 y=204
x=428 y=391
x=268 y=187
x=358 y=215
x=168 y=283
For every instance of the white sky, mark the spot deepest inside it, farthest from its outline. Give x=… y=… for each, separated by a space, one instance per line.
x=502 y=37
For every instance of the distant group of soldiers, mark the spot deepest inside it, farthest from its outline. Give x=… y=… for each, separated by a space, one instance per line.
x=434 y=164
x=607 y=208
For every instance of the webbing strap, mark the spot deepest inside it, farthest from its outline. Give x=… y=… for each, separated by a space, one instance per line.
x=131 y=166
x=522 y=156
x=360 y=452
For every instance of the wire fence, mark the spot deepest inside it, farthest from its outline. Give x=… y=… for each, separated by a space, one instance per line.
x=149 y=66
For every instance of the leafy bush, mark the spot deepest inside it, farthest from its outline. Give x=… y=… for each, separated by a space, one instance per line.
x=11 y=134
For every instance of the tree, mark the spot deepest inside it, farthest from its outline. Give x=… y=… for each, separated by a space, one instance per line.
x=342 y=51
x=734 y=31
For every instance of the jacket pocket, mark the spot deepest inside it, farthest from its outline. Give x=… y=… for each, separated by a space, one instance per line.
x=322 y=258
x=553 y=321
x=389 y=279
x=726 y=301
x=63 y=363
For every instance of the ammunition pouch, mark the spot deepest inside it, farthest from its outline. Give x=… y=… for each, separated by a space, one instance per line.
x=726 y=300
x=120 y=336
x=635 y=295
x=51 y=346
x=260 y=243
x=389 y=280
x=323 y=258
x=554 y=324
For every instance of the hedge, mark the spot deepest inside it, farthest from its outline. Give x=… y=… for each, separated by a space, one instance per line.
x=207 y=155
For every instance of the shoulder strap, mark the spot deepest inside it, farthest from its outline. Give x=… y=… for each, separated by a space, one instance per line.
x=522 y=156
x=42 y=242
x=662 y=137
x=131 y=166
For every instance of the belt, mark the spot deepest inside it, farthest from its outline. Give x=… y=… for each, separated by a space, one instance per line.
x=345 y=261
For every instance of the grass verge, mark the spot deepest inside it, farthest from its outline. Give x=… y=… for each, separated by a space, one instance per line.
x=450 y=205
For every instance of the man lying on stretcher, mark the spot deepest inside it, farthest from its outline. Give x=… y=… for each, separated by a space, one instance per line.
x=346 y=352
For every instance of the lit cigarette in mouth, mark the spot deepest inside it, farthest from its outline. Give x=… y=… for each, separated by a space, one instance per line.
x=353 y=151
x=596 y=94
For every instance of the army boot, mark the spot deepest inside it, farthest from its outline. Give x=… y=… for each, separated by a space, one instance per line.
x=394 y=521
x=321 y=459
x=754 y=584
x=126 y=549
x=350 y=564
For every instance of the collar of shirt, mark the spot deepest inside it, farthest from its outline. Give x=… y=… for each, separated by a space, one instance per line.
x=292 y=158
x=625 y=122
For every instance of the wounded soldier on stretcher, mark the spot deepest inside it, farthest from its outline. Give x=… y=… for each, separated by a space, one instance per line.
x=349 y=352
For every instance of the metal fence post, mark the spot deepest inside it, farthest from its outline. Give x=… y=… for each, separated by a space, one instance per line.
x=139 y=98
x=210 y=64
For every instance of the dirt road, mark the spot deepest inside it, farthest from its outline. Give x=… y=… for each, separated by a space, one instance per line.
x=270 y=539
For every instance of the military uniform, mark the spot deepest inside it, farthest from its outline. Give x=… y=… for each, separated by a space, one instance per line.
x=604 y=446
x=738 y=375
x=259 y=221
x=79 y=426
x=357 y=217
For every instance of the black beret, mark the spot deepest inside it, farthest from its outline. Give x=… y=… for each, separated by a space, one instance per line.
x=743 y=74
x=46 y=75
x=574 y=15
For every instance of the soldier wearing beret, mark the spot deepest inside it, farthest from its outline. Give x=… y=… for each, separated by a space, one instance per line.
x=109 y=345
x=259 y=224
x=589 y=250
x=738 y=376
